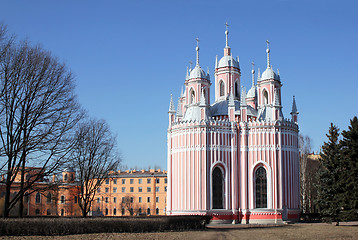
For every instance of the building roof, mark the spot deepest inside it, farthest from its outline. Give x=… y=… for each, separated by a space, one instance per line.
x=228 y=61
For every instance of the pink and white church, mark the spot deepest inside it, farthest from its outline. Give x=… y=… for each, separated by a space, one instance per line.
x=236 y=159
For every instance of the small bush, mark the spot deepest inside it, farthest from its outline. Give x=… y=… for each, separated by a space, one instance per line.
x=65 y=226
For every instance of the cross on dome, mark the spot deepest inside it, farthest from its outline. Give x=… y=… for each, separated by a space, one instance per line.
x=197 y=51
x=268 y=53
x=227 y=35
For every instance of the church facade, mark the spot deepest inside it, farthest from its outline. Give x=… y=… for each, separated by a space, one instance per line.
x=235 y=159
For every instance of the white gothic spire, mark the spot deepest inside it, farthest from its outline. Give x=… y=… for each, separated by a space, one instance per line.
x=171 y=105
x=197 y=51
x=268 y=53
x=227 y=36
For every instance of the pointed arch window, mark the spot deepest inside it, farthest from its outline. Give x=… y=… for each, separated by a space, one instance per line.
x=38 y=198
x=261 y=187
x=192 y=96
x=218 y=189
x=265 y=97
x=205 y=96
x=236 y=89
x=222 y=88
x=49 y=198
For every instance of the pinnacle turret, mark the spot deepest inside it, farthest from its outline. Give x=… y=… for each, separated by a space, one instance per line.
x=276 y=102
x=171 y=105
x=202 y=98
x=179 y=112
x=294 y=107
x=243 y=97
x=231 y=99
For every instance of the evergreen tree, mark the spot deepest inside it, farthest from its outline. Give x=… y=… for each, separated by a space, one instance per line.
x=329 y=188
x=349 y=163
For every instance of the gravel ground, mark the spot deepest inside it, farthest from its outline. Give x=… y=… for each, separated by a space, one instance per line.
x=292 y=231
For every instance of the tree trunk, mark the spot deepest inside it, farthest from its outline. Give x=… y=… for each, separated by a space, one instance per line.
x=21 y=192
x=7 y=191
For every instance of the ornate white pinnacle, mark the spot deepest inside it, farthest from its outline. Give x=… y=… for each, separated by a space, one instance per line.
x=197 y=51
x=171 y=105
x=227 y=35
x=202 y=98
x=268 y=53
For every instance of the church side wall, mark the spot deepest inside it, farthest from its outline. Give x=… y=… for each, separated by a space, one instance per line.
x=195 y=150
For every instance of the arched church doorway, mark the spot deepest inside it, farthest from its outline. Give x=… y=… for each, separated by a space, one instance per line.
x=261 y=188
x=218 y=189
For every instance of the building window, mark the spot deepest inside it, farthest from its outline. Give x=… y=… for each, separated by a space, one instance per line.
x=132 y=199
x=123 y=199
x=157 y=199
x=157 y=189
x=62 y=212
x=222 y=88
x=131 y=181
x=27 y=198
x=106 y=211
x=123 y=211
x=148 y=180
x=192 y=96
x=114 y=181
x=131 y=211
x=62 y=199
x=49 y=198
x=98 y=200
x=139 y=210
x=149 y=189
x=106 y=189
x=148 y=211
x=165 y=180
x=236 y=89
x=218 y=189
x=107 y=180
x=165 y=188
x=66 y=177
x=114 y=189
x=157 y=211
x=114 y=211
x=38 y=198
x=48 y=212
x=132 y=189
x=157 y=180
x=265 y=97
x=75 y=199
x=37 y=211
x=123 y=189
x=140 y=181
x=123 y=181
x=140 y=189
x=114 y=199
x=140 y=199
x=148 y=199
x=106 y=199
x=261 y=188
x=98 y=190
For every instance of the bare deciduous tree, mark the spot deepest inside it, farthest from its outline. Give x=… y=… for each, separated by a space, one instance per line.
x=39 y=109
x=93 y=156
x=128 y=204
x=308 y=175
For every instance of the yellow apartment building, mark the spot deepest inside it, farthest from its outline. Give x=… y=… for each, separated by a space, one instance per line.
x=132 y=192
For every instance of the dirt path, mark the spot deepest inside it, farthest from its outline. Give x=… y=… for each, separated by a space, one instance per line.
x=295 y=231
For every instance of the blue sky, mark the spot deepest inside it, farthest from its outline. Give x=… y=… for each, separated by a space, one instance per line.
x=129 y=56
